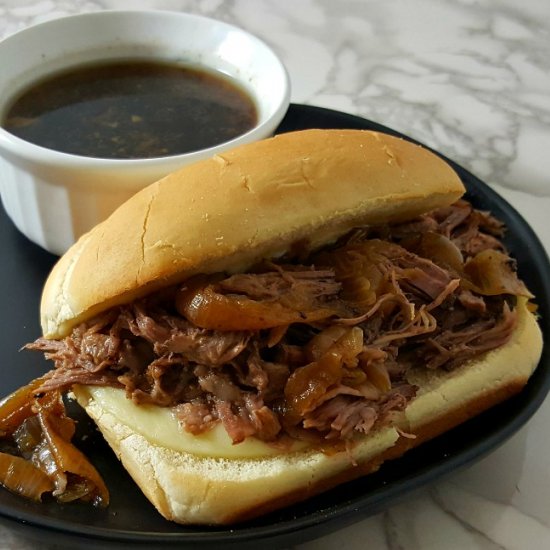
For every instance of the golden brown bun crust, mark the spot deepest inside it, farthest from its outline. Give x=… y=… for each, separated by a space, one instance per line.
x=227 y=212
x=191 y=489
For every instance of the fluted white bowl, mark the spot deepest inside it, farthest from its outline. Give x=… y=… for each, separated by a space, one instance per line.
x=54 y=197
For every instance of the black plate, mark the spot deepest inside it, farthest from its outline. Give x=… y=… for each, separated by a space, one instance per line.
x=132 y=521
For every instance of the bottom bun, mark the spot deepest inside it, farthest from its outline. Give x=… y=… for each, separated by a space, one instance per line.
x=192 y=488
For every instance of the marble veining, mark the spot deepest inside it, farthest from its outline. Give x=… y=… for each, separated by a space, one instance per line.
x=470 y=78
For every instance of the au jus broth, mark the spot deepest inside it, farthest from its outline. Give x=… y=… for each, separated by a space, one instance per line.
x=131 y=110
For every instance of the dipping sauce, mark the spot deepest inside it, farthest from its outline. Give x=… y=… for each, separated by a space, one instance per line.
x=131 y=109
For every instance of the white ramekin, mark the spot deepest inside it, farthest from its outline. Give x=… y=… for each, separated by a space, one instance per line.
x=54 y=197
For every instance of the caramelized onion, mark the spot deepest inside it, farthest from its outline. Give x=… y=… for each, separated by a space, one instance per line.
x=438 y=248
x=60 y=457
x=206 y=308
x=354 y=377
x=49 y=461
x=375 y=370
x=22 y=477
x=369 y=391
x=492 y=273
x=359 y=291
x=307 y=385
x=17 y=407
x=345 y=341
x=69 y=460
x=360 y=268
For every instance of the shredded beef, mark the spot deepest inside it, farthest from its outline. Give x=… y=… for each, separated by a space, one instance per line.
x=275 y=284
x=171 y=334
x=342 y=415
x=472 y=302
x=451 y=347
x=421 y=276
x=307 y=377
x=196 y=417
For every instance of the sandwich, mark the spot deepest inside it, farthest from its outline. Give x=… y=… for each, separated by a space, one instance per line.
x=282 y=318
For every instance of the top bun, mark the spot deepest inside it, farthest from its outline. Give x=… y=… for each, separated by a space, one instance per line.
x=253 y=202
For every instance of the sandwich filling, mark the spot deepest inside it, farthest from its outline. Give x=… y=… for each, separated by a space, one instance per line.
x=315 y=346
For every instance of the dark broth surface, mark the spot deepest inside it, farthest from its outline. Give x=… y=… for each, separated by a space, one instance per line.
x=131 y=109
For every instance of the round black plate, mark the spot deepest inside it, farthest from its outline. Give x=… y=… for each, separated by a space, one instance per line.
x=131 y=521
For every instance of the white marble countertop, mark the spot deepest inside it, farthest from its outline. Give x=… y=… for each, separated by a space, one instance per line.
x=470 y=78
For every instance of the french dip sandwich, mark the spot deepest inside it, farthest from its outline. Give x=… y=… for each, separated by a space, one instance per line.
x=284 y=317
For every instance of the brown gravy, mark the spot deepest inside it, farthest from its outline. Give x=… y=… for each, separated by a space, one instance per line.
x=131 y=109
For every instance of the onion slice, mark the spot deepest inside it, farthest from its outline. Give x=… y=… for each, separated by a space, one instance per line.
x=201 y=304
x=49 y=462
x=24 y=478
x=17 y=407
x=491 y=273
